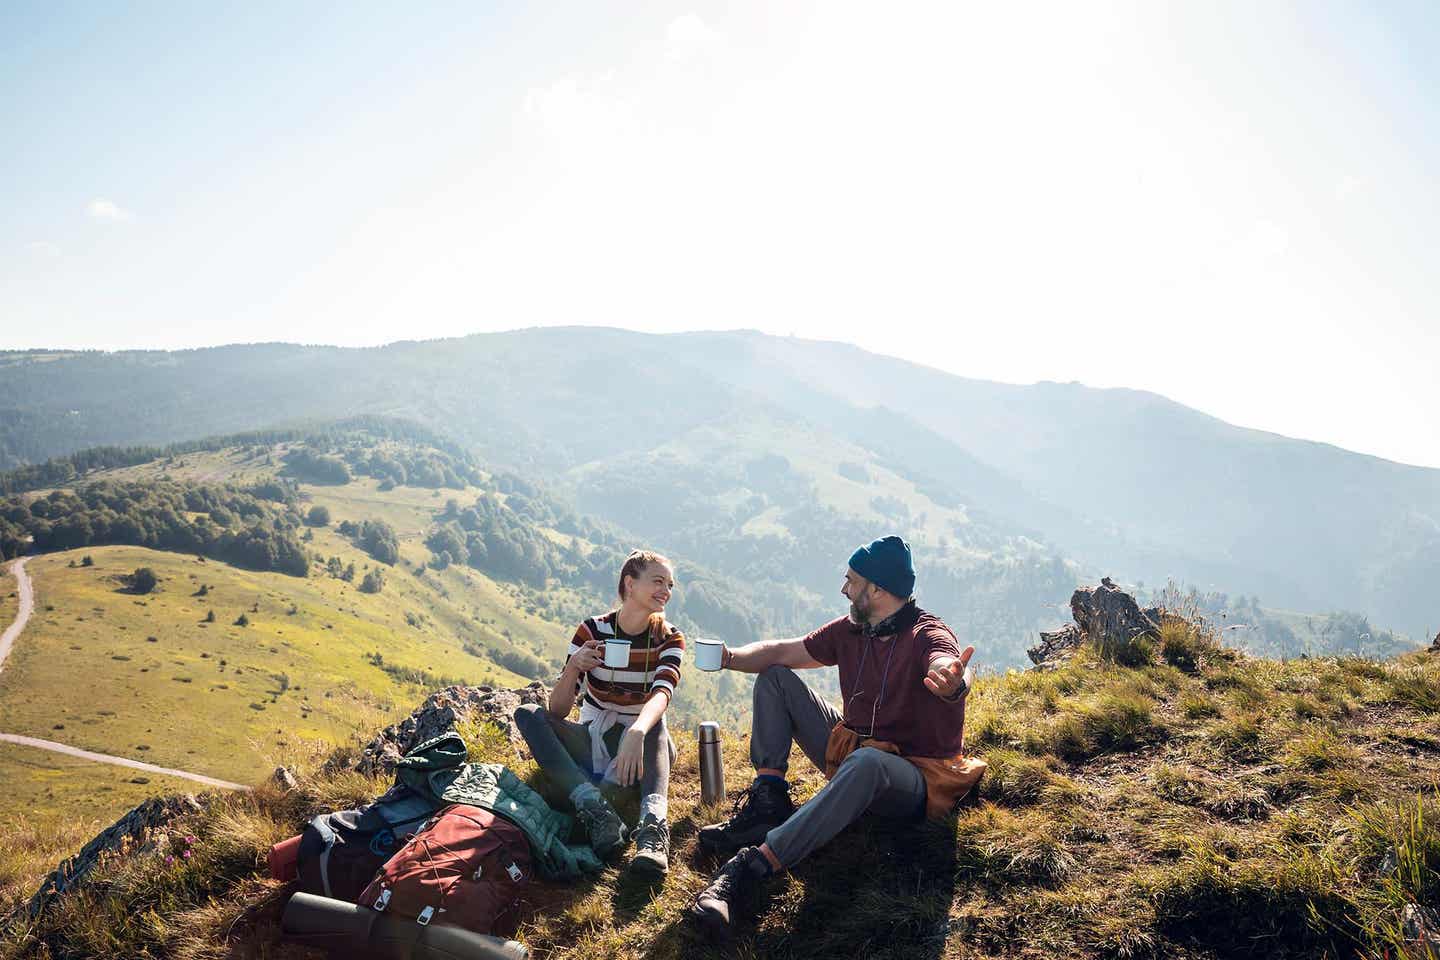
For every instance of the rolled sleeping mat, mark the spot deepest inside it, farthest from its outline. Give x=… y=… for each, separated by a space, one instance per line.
x=359 y=931
x=325 y=923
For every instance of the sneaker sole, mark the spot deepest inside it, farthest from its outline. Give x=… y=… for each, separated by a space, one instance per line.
x=712 y=925
x=648 y=869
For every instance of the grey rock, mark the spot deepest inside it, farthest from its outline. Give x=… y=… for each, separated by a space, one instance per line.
x=1056 y=647
x=138 y=826
x=284 y=779
x=1105 y=616
x=440 y=712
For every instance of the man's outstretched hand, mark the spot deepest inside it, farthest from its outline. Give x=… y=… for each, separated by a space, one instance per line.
x=947 y=680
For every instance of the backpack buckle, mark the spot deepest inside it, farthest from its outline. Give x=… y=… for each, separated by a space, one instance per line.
x=478 y=871
x=382 y=901
x=515 y=873
x=425 y=916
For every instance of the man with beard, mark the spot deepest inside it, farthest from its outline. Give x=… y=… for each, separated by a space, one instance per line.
x=896 y=748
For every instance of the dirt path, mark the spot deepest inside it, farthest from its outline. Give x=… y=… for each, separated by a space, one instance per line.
x=22 y=617
x=70 y=751
x=7 y=640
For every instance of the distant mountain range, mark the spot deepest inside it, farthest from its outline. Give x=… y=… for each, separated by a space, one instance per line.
x=765 y=456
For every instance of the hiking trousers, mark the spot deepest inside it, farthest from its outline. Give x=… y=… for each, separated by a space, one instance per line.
x=787 y=711
x=562 y=749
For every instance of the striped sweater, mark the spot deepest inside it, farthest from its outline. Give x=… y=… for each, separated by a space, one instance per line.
x=654 y=665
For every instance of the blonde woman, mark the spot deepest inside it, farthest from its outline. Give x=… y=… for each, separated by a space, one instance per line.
x=621 y=736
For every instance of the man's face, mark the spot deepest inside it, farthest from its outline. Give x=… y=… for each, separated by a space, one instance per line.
x=859 y=592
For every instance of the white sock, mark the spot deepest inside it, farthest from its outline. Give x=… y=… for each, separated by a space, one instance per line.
x=584 y=791
x=656 y=805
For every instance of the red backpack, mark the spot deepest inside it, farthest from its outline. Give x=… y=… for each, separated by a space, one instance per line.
x=466 y=868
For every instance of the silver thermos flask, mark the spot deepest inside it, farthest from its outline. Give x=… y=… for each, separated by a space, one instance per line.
x=712 y=770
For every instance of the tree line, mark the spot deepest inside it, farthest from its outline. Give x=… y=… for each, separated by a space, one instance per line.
x=358 y=433
x=222 y=522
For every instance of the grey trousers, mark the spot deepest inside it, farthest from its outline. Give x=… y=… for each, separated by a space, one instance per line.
x=787 y=711
x=562 y=749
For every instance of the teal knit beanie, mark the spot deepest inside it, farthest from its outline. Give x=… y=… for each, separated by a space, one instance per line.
x=887 y=564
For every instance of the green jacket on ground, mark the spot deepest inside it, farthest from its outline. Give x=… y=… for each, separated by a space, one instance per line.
x=437 y=768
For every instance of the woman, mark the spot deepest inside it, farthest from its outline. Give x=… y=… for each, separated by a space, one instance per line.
x=621 y=736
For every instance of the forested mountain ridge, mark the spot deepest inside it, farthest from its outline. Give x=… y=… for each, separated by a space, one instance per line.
x=1121 y=482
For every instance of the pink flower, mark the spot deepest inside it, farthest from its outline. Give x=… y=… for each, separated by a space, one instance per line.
x=169 y=860
x=186 y=854
x=190 y=840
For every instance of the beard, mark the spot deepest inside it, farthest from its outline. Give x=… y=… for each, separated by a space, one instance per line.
x=859 y=616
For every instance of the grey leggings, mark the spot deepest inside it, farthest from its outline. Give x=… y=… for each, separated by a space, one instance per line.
x=562 y=748
x=786 y=711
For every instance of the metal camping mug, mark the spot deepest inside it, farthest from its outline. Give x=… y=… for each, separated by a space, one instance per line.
x=712 y=770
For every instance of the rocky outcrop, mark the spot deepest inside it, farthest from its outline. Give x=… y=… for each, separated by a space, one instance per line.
x=1105 y=616
x=1055 y=647
x=135 y=833
x=1435 y=644
x=440 y=712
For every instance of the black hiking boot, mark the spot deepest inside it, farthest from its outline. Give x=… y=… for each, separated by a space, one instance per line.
x=763 y=806
x=607 y=830
x=652 y=848
x=722 y=905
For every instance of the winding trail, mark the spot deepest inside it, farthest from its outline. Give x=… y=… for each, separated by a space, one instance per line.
x=7 y=641
x=70 y=751
x=27 y=605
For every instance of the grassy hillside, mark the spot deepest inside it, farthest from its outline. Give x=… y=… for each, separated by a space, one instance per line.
x=148 y=678
x=1202 y=805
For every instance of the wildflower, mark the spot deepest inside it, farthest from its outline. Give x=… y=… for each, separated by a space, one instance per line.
x=190 y=840
x=186 y=854
x=169 y=859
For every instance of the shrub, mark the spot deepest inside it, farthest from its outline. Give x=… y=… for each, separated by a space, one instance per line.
x=143 y=580
x=242 y=621
x=87 y=561
x=372 y=582
x=318 y=516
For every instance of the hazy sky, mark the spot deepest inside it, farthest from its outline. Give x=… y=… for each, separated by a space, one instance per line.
x=1232 y=204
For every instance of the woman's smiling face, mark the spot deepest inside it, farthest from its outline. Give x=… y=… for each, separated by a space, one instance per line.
x=651 y=588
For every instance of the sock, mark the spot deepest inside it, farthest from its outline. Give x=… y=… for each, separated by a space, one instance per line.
x=655 y=805
x=770 y=778
x=586 y=791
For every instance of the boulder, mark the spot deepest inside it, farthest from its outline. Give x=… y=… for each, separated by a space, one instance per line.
x=1435 y=644
x=1105 y=616
x=133 y=834
x=284 y=778
x=440 y=712
x=1056 y=647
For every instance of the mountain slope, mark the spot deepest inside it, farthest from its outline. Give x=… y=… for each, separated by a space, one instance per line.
x=1120 y=481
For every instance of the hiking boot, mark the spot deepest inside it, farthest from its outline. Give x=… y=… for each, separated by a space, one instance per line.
x=607 y=830
x=720 y=906
x=652 y=847
x=764 y=805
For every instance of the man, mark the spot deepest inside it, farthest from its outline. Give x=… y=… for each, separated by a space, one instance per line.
x=895 y=749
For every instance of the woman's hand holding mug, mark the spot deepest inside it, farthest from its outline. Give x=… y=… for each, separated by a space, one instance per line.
x=588 y=657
